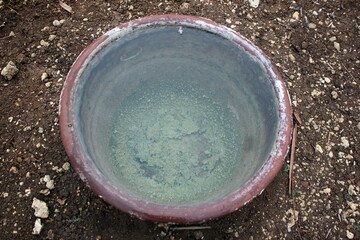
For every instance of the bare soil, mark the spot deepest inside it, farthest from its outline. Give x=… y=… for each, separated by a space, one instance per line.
x=315 y=45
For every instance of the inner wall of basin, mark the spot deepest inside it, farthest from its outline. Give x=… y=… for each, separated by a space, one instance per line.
x=176 y=115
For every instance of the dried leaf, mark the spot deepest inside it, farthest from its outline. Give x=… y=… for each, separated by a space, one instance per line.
x=65 y=6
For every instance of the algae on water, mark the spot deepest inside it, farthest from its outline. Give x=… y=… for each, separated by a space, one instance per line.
x=174 y=144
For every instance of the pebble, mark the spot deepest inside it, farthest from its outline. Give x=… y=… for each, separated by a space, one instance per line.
x=311 y=60
x=40 y=207
x=332 y=39
x=295 y=15
x=50 y=184
x=337 y=46
x=44 y=43
x=327 y=190
x=48 y=84
x=358 y=125
x=14 y=169
x=334 y=94
x=228 y=20
x=327 y=80
x=319 y=148
x=37 y=227
x=44 y=76
x=56 y=23
x=344 y=142
x=52 y=37
x=66 y=166
x=349 y=234
x=9 y=71
x=254 y=3
x=291 y=57
x=312 y=25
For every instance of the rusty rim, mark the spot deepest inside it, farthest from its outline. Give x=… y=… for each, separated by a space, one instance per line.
x=85 y=167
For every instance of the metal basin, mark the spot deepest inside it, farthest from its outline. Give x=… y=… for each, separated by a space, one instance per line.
x=175 y=118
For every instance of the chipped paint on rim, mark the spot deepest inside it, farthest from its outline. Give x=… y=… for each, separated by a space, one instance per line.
x=85 y=167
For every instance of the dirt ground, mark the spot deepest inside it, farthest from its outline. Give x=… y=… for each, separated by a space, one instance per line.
x=315 y=45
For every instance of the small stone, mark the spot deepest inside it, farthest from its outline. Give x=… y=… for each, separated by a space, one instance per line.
x=46 y=178
x=45 y=191
x=327 y=190
x=44 y=43
x=185 y=5
x=254 y=3
x=41 y=130
x=344 y=142
x=52 y=37
x=33 y=55
x=48 y=84
x=66 y=166
x=11 y=34
x=44 y=76
x=295 y=15
x=228 y=20
x=9 y=71
x=337 y=46
x=37 y=227
x=40 y=207
x=50 y=184
x=56 y=23
x=349 y=234
x=352 y=206
x=312 y=25
x=291 y=57
x=332 y=39
x=198 y=235
x=319 y=148
x=358 y=125
x=14 y=169
x=327 y=80
x=311 y=60
x=62 y=21
x=85 y=19
x=27 y=128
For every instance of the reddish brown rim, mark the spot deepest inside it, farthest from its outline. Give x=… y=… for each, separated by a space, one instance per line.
x=87 y=170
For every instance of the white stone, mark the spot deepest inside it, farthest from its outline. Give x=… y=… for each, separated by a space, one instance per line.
x=52 y=37
x=334 y=94
x=327 y=80
x=327 y=190
x=295 y=15
x=337 y=46
x=44 y=43
x=9 y=71
x=50 y=184
x=358 y=125
x=291 y=57
x=349 y=234
x=46 y=178
x=40 y=207
x=345 y=142
x=319 y=148
x=37 y=227
x=44 y=76
x=254 y=3
x=56 y=23
x=332 y=39
x=312 y=25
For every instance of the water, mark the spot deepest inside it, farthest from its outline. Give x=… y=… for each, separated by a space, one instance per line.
x=173 y=144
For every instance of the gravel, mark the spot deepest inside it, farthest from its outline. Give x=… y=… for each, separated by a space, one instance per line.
x=9 y=71
x=40 y=207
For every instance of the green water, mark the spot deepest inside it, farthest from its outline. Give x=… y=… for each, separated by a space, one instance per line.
x=174 y=144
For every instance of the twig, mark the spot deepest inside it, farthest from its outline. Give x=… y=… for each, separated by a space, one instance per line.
x=292 y=158
x=348 y=71
x=328 y=234
x=190 y=228
x=297 y=118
